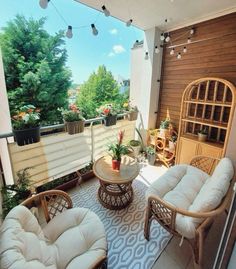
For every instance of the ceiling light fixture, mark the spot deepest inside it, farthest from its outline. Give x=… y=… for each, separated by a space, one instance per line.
x=157 y=50
x=43 y=3
x=94 y=29
x=189 y=40
x=192 y=31
x=129 y=22
x=162 y=37
x=184 y=50
x=146 y=55
x=172 y=52
x=69 y=33
x=179 y=56
x=105 y=11
x=167 y=38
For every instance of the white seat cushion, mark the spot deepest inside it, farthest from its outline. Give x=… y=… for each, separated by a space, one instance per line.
x=189 y=188
x=73 y=239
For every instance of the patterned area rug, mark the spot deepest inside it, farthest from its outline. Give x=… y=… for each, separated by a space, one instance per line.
x=127 y=247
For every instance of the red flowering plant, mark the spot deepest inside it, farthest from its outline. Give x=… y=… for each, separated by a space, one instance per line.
x=71 y=114
x=27 y=117
x=116 y=150
x=107 y=110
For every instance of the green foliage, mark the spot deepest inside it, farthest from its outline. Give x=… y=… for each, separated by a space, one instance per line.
x=117 y=150
x=87 y=168
x=71 y=115
x=203 y=131
x=107 y=110
x=150 y=150
x=173 y=138
x=34 y=64
x=134 y=143
x=99 y=89
x=165 y=124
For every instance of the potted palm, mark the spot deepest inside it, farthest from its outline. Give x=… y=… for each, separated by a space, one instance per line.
x=109 y=113
x=26 y=127
x=135 y=145
x=116 y=150
x=202 y=135
x=164 y=128
x=132 y=111
x=74 y=122
x=151 y=155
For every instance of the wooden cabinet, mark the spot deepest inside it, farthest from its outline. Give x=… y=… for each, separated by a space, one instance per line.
x=208 y=104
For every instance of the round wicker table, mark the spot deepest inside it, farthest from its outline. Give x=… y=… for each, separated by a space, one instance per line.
x=115 y=191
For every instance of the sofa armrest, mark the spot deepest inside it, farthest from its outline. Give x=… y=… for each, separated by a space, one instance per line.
x=52 y=202
x=205 y=163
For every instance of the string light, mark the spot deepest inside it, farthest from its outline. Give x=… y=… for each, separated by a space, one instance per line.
x=106 y=12
x=172 y=52
x=129 y=22
x=69 y=33
x=43 y=3
x=156 y=50
x=146 y=55
x=192 y=31
x=162 y=37
x=184 y=50
x=94 y=29
x=167 y=38
x=189 y=40
x=179 y=56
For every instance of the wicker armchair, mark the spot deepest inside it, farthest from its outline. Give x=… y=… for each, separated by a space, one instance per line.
x=165 y=213
x=88 y=250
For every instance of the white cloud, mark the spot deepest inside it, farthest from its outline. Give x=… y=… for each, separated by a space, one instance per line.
x=118 y=49
x=111 y=54
x=113 y=31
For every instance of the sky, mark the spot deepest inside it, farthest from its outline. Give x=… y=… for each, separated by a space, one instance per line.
x=111 y=47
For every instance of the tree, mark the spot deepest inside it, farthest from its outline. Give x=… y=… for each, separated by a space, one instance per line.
x=100 y=88
x=34 y=64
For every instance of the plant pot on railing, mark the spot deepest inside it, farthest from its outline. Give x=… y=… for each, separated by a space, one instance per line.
x=27 y=136
x=133 y=115
x=110 y=120
x=74 y=127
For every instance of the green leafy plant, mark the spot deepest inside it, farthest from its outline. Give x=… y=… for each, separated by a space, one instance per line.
x=27 y=117
x=72 y=114
x=150 y=150
x=107 y=110
x=203 y=131
x=134 y=143
x=173 y=138
x=86 y=169
x=165 y=124
x=116 y=150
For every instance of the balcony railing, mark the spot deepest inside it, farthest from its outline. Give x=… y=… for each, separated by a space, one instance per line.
x=60 y=154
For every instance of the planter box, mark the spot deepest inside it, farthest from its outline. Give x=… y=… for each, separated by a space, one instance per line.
x=27 y=136
x=74 y=127
x=131 y=116
x=110 y=120
x=87 y=175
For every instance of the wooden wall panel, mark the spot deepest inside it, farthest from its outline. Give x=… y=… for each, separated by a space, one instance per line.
x=214 y=56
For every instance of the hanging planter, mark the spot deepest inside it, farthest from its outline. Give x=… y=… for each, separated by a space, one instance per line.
x=26 y=127
x=74 y=127
x=110 y=120
x=27 y=136
x=74 y=122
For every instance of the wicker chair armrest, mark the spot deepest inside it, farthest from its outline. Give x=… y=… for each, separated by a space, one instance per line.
x=52 y=202
x=205 y=163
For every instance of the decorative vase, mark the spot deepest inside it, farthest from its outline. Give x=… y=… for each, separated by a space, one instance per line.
x=132 y=115
x=27 y=136
x=116 y=165
x=74 y=127
x=110 y=120
x=151 y=158
x=202 y=137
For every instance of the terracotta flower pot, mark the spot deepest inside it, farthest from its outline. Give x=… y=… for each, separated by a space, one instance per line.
x=27 y=136
x=74 y=127
x=115 y=165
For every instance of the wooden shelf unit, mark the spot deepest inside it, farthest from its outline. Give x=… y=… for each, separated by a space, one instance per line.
x=206 y=103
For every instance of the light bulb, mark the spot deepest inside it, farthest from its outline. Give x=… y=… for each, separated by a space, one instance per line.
x=172 y=52
x=94 y=29
x=192 y=31
x=69 y=33
x=156 y=49
x=167 y=38
x=179 y=56
x=106 y=12
x=162 y=37
x=43 y=3
x=189 y=40
x=184 y=50
x=129 y=22
x=146 y=56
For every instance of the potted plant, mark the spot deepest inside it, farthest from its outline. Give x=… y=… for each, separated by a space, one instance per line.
x=63 y=183
x=164 y=128
x=87 y=171
x=116 y=150
x=132 y=111
x=202 y=134
x=26 y=128
x=151 y=155
x=135 y=145
x=109 y=113
x=172 y=142
x=152 y=136
x=16 y=193
x=74 y=122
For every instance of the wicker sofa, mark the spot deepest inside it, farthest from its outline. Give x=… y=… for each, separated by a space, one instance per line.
x=71 y=239
x=187 y=198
